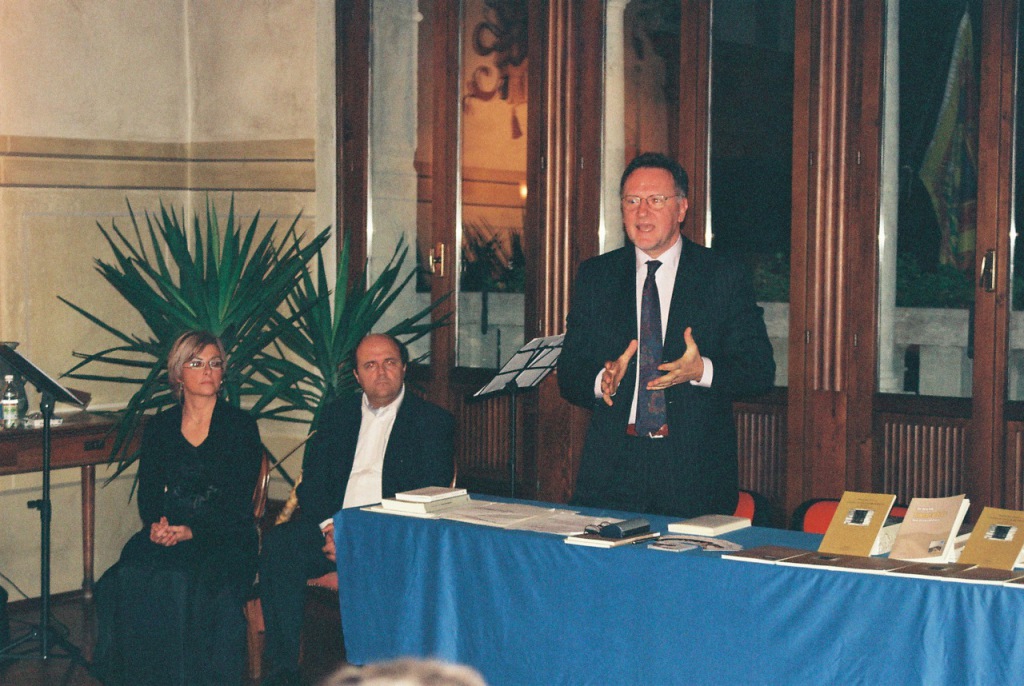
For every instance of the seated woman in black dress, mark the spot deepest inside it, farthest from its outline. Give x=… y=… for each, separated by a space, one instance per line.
x=170 y=610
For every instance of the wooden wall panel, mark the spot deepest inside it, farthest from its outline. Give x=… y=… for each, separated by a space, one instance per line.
x=692 y=137
x=353 y=124
x=834 y=238
x=483 y=442
x=562 y=216
x=986 y=477
x=1014 y=498
x=922 y=456
x=761 y=445
x=828 y=209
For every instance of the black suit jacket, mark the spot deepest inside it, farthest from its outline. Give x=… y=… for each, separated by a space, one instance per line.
x=420 y=453
x=713 y=295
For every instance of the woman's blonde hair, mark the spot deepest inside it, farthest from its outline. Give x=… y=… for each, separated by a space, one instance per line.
x=188 y=345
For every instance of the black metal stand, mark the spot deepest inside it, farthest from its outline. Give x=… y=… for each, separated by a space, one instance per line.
x=513 y=391
x=530 y=364
x=43 y=634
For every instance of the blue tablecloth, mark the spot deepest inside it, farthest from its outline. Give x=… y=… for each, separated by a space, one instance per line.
x=525 y=608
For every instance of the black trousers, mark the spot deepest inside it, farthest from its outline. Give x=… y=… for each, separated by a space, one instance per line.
x=166 y=626
x=635 y=475
x=291 y=556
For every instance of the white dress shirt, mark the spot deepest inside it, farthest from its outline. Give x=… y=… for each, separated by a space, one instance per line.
x=665 y=278
x=364 y=483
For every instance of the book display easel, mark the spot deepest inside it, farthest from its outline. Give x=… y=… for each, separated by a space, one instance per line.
x=524 y=370
x=51 y=392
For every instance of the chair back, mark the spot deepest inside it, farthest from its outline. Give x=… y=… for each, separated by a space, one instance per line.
x=814 y=516
x=745 y=506
x=756 y=507
x=259 y=494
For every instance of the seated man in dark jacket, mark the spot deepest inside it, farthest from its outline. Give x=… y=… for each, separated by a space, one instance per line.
x=367 y=447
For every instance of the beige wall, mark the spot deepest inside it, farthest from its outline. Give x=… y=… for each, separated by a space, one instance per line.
x=145 y=100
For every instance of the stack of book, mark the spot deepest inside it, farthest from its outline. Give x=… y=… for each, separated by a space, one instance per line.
x=615 y=534
x=709 y=525
x=425 y=501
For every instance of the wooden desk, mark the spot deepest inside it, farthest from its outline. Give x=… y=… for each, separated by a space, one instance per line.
x=80 y=441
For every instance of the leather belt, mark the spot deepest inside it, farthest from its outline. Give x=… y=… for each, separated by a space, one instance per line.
x=660 y=433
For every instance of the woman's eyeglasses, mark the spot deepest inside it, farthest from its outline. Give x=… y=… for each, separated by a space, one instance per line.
x=196 y=363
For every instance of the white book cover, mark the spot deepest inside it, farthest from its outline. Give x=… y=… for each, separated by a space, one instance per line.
x=424 y=505
x=430 y=494
x=929 y=529
x=709 y=525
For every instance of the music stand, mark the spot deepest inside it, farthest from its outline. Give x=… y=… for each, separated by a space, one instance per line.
x=525 y=369
x=51 y=392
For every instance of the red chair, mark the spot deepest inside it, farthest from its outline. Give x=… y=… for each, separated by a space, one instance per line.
x=755 y=507
x=813 y=516
x=745 y=506
x=819 y=515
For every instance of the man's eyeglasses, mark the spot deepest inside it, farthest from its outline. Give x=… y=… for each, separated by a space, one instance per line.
x=196 y=363
x=655 y=202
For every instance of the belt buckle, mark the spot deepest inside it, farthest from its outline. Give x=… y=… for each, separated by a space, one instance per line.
x=660 y=433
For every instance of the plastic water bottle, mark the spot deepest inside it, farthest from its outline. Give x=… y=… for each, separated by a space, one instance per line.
x=9 y=402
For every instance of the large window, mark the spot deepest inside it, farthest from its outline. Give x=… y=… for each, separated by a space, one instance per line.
x=751 y=150
x=929 y=197
x=1015 y=364
x=641 y=95
x=493 y=192
x=492 y=130
x=401 y=138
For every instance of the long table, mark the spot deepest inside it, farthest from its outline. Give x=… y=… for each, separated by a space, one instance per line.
x=525 y=608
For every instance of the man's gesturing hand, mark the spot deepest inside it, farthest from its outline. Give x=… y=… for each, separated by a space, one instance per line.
x=687 y=368
x=613 y=372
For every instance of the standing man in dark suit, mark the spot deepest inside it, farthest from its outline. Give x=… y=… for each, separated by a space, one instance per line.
x=714 y=349
x=366 y=447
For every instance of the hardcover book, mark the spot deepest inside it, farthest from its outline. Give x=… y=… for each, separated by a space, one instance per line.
x=857 y=524
x=424 y=507
x=987 y=575
x=765 y=554
x=599 y=541
x=709 y=525
x=997 y=540
x=847 y=563
x=430 y=494
x=934 y=570
x=929 y=529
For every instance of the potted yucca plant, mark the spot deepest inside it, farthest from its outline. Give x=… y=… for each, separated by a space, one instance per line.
x=255 y=294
